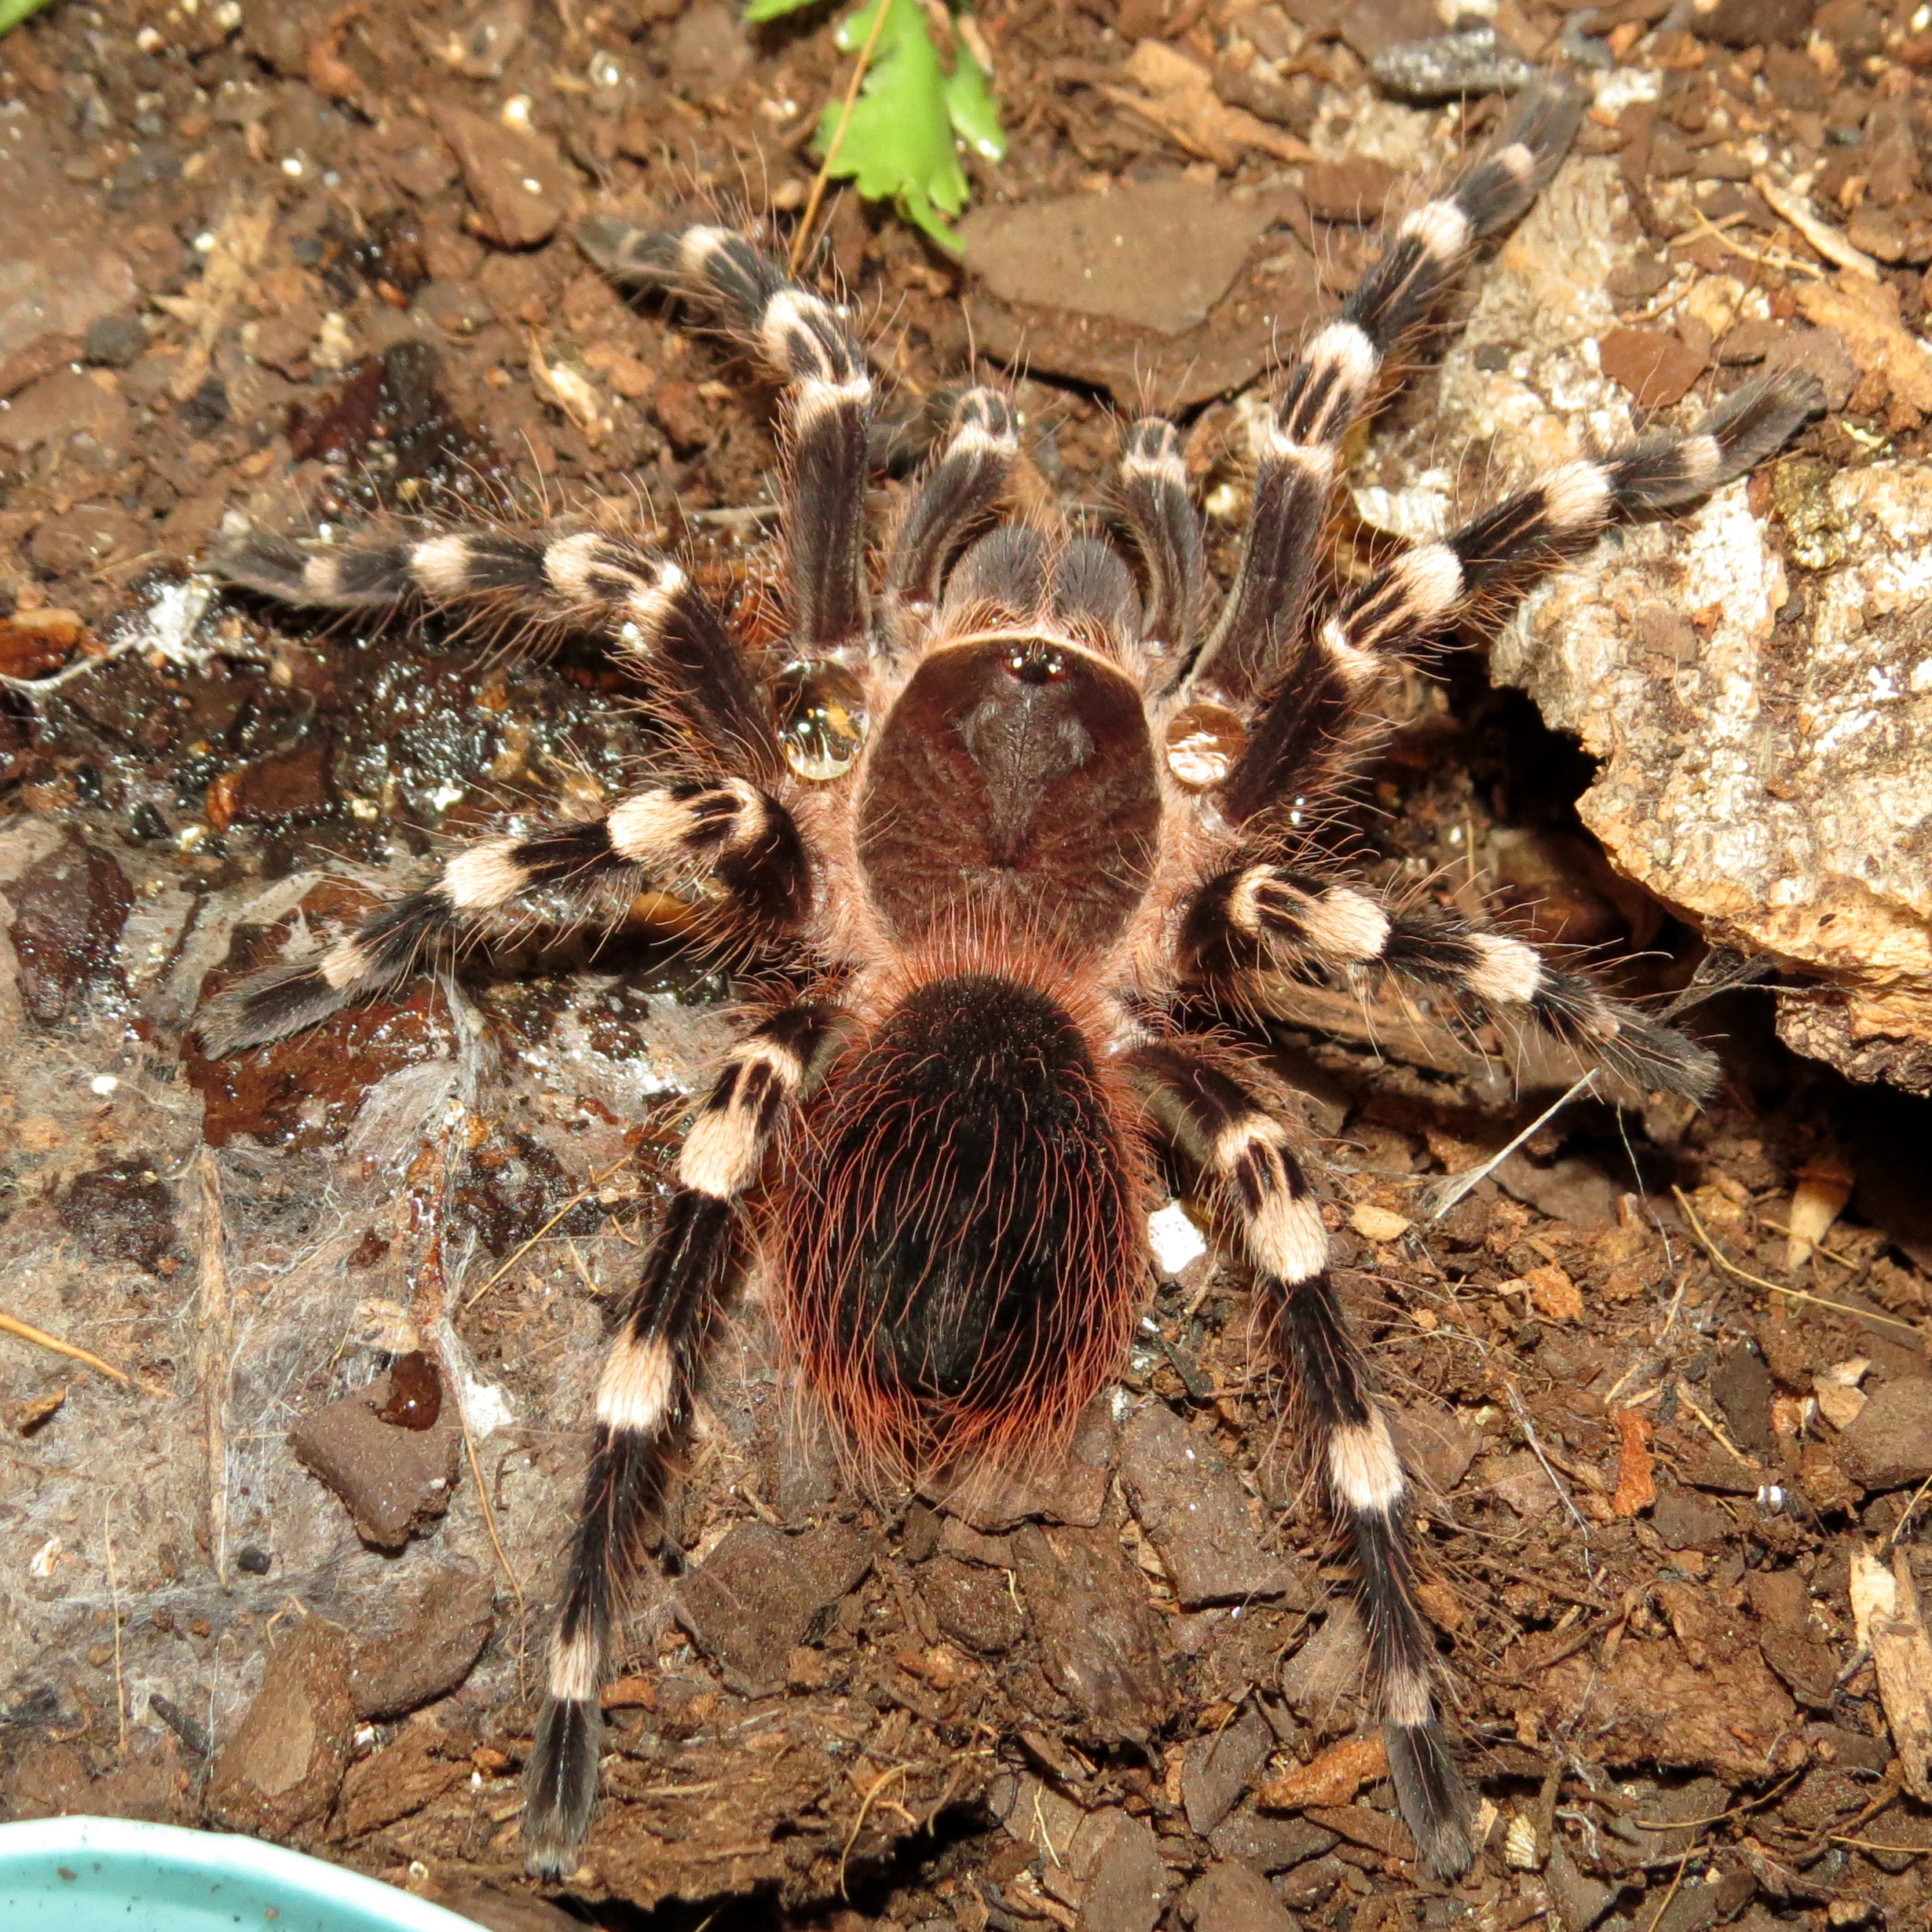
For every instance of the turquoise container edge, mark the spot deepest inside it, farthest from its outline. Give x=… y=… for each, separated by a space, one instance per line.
x=88 y=1875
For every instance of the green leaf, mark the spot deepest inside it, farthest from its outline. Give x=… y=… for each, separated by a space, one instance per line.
x=974 y=114
x=775 y=9
x=13 y=12
x=898 y=143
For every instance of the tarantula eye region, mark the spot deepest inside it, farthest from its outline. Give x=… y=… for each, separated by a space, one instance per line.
x=1203 y=742
x=1035 y=664
x=821 y=717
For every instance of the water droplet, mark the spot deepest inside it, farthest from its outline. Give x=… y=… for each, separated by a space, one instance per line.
x=821 y=717
x=1203 y=741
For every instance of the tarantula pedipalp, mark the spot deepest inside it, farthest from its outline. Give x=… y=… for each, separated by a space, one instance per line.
x=990 y=907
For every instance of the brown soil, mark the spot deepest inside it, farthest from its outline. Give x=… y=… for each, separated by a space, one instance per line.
x=263 y=260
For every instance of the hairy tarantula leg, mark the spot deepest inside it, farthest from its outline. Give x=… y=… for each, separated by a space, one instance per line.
x=640 y=1396
x=1215 y=1123
x=961 y=489
x=829 y=404
x=1268 y=918
x=729 y=834
x=1155 y=505
x=645 y=602
x=1330 y=384
x=1302 y=739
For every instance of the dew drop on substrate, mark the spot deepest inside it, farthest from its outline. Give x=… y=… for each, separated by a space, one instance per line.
x=821 y=709
x=1203 y=741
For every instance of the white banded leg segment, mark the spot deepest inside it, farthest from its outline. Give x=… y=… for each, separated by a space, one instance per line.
x=728 y=843
x=761 y=1082
x=1281 y=1219
x=1213 y=1121
x=1268 y=918
x=585 y=581
x=1491 y=975
x=960 y=491
x=1369 y=1494
x=1158 y=511
x=1234 y=1141
x=641 y=1393
x=1364 y=1469
x=1335 y=378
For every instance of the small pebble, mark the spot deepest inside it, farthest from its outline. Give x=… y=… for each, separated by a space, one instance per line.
x=1475 y=61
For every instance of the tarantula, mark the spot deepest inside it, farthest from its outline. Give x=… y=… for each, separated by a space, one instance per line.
x=1009 y=814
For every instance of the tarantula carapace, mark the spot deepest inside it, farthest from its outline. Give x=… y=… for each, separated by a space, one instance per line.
x=1012 y=813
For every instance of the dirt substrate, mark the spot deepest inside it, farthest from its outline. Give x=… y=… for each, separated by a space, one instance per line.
x=311 y=264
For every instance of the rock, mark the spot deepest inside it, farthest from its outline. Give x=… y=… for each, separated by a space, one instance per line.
x=754 y=1597
x=1361 y=1824
x=1742 y=1385
x=122 y=1213
x=35 y=359
x=1354 y=190
x=114 y=340
x=1777 y=786
x=56 y=277
x=1327 y=1667
x=1474 y=59
x=972 y=1605
x=287 y=788
x=1580 y=1900
x=282 y=1768
x=1687 y=1521
x=1375 y=28
x=1653 y=365
x=1436 y=1445
x=1889 y=1446
x=1751 y=23
x=439 y=1636
x=1573 y=1189
x=69 y=908
x=518 y=182
x=1269 y=1844
x=1157 y=254
x=393 y=1480
x=85 y=537
x=415 y=1771
x=1194 y=1509
x=69 y=407
x=1231 y=1897
x=1064 y=1489
x=1099 y=1634
x=1116 y=1866
x=1218 y=1767
x=709 y=49
x=1808 y=1666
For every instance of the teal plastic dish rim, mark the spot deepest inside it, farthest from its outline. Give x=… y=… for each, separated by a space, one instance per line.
x=223 y=1856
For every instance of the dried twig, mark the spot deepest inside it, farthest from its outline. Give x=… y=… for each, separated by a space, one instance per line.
x=1556 y=1482
x=213 y=1343
x=41 y=1338
x=1796 y=1294
x=114 y=1593
x=1827 y=239
x=582 y=1195
x=1685 y=1400
x=802 y=234
x=858 y=1824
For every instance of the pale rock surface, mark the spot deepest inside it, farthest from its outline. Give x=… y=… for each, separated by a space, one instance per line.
x=1765 y=729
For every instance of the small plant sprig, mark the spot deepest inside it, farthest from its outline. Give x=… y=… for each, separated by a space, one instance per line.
x=895 y=138
x=13 y=12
